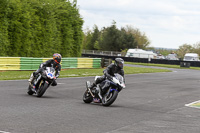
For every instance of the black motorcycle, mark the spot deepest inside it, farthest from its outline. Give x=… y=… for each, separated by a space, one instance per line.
x=41 y=82
x=106 y=92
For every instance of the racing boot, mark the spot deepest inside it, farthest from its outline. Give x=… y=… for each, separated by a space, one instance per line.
x=92 y=87
x=31 y=78
x=33 y=75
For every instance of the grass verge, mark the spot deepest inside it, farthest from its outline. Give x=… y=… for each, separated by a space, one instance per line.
x=162 y=65
x=16 y=75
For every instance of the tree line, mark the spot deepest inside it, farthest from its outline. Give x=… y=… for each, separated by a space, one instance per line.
x=112 y=38
x=181 y=51
x=188 y=48
x=39 y=28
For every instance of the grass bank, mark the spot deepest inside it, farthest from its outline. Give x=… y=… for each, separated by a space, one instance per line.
x=16 y=75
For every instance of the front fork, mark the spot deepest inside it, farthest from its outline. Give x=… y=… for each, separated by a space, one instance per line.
x=88 y=88
x=34 y=86
x=97 y=88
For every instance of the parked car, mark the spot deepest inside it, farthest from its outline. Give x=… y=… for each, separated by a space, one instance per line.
x=160 y=56
x=140 y=53
x=191 y=57
x=171 y=57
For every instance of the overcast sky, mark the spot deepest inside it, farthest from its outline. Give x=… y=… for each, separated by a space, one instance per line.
x=167 y=23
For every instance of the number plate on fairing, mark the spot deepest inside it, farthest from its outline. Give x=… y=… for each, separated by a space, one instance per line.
x=50 y=74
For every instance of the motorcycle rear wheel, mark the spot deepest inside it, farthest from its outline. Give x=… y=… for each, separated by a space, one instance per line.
x=87 y=98
x=109 y=98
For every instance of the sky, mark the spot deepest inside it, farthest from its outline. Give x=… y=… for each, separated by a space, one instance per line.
x=166 y=23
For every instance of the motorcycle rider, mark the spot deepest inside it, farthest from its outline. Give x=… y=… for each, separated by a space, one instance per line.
x=116 y=67
x=55 y=63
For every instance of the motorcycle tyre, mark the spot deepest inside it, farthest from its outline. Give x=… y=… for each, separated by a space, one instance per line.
x=42 y=90
x=111 y=100
x=30 y=92
x=87 y=99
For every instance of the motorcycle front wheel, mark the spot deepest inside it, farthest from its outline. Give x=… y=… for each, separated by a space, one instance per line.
x=109 y=98
x=41 y=90
x=87 y=98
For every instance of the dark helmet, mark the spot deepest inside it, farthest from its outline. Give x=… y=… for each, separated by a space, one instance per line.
x=119 y=62
x=57 y=58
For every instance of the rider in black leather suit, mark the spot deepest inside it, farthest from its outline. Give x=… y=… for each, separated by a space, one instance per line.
x=109 y=72
x=55 y=63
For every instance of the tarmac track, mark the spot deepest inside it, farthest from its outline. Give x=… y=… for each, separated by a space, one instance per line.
x=151 y=103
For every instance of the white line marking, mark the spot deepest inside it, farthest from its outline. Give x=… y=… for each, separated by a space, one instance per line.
x=4 y=132
x=61 y=83
x=190 y=104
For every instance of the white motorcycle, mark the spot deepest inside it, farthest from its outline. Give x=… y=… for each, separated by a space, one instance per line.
x=106 y=92
x=41 y=82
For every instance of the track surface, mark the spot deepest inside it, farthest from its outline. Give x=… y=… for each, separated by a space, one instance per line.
x=151 y=103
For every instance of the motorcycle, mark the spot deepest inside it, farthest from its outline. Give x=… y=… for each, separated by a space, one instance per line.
x=106 y=92
x=41 y=82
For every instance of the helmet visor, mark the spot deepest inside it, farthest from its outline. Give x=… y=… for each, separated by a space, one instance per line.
x=121 y=65
x=57 y=60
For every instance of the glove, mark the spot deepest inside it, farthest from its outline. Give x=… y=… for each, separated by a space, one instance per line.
x=109 y=77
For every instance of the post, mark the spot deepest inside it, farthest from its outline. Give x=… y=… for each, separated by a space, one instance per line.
x=149 y=59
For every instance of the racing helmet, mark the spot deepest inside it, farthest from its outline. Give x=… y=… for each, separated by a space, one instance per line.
x=119 y=62
x=57 y=58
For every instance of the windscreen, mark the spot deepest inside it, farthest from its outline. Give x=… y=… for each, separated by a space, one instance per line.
x=119 y=77
x=50 y=70
x=188 y=58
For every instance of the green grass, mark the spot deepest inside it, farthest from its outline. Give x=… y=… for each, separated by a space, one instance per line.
x=162 y=65
x=16 y=75
x=136 y=70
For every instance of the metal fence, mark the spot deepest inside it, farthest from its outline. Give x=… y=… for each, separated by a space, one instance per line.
x=145 y=60
x=109 y=53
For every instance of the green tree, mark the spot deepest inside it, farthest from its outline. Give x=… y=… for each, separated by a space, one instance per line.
x=26 y=33
x=69 y=25
x=4 y=38
x=87 y=36
x=140 y=38
x=15 y=27
x=39 y=28
x=77 y=23
x=111 y=38
x=128 y=40
x=94 y=41
x=183 y=49
x=196 y=48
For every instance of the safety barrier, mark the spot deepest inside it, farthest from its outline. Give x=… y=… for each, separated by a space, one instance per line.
x=145 y=60
x=30 y=63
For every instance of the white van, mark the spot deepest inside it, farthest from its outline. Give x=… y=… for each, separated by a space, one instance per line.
x=171 y=57
x=191 y=57
x=139 y=53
